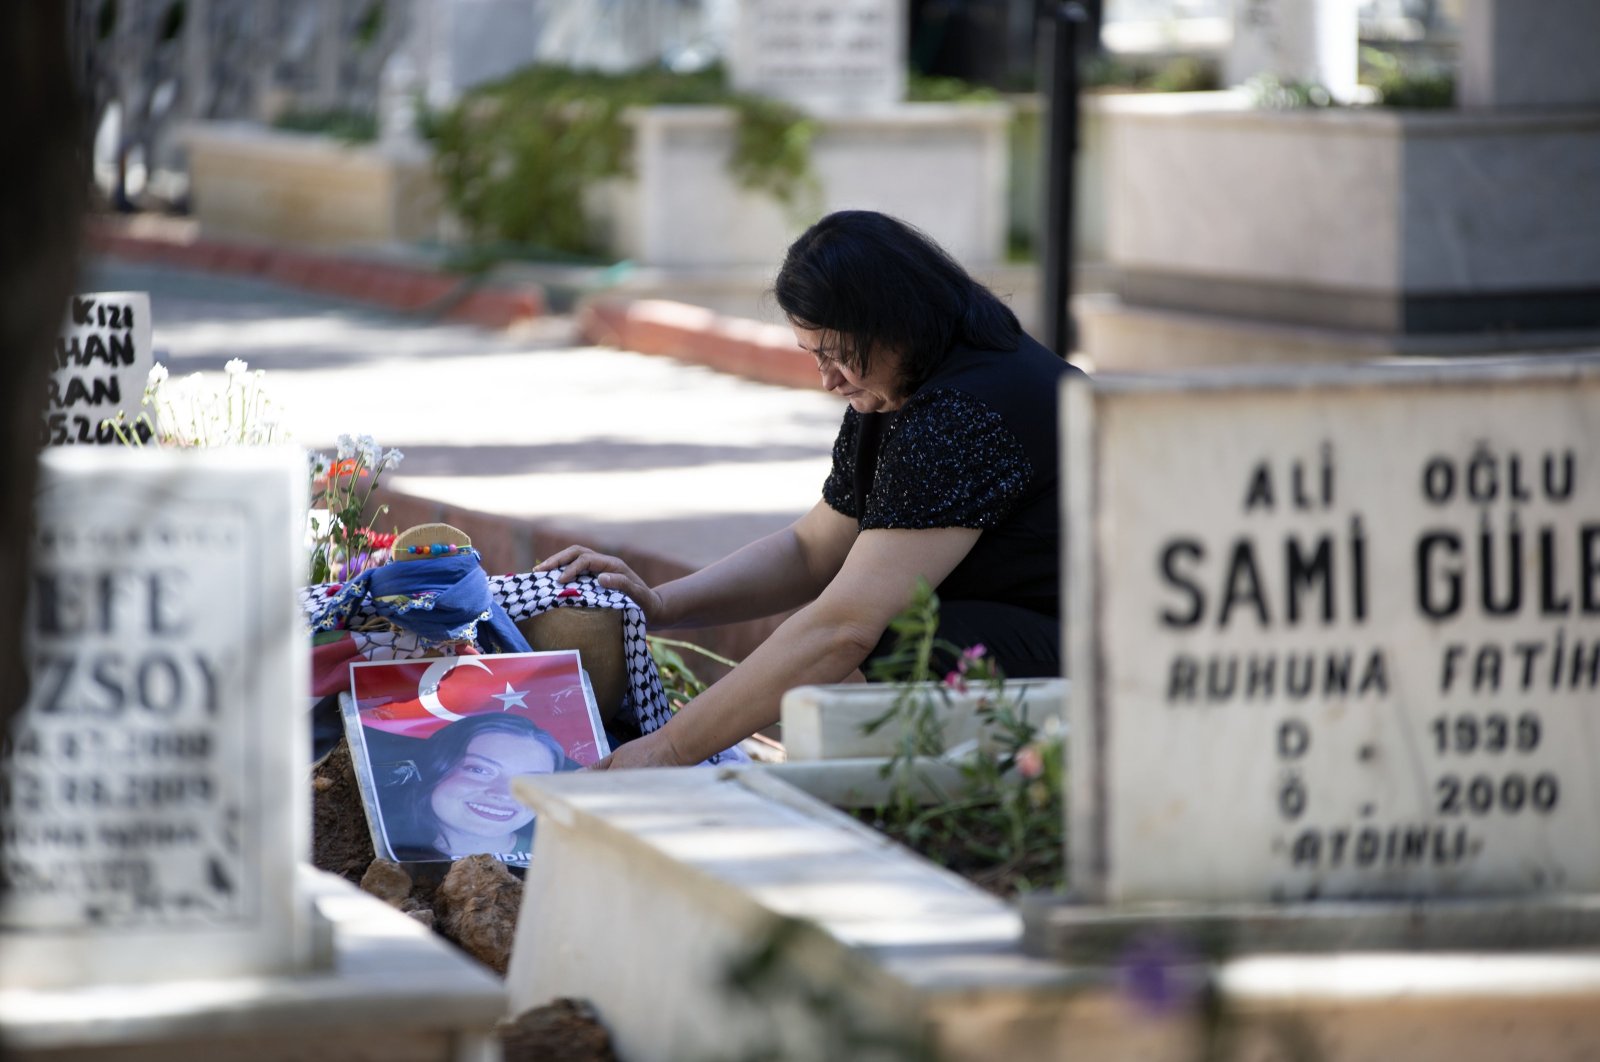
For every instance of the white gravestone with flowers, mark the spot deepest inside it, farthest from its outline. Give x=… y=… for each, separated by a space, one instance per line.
x=1335 y=635
x=155 y=804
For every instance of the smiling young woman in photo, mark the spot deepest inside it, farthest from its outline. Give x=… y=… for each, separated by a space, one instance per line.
x=462 y=802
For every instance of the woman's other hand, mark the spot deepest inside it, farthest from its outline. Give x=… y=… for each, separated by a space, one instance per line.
x=610 y=572
x=652 y=750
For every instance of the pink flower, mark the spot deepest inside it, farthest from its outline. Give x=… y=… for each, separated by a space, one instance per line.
x=973 y=652
x=1030 y=762
x=954 y=680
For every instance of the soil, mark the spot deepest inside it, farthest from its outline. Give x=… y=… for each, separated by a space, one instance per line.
x=340 y=841
x=564 y=1031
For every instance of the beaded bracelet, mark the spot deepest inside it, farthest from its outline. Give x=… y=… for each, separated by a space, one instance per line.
x=437 y=549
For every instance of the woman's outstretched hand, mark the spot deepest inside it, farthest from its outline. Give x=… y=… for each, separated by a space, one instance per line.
x=610 y=572
x=652 y=750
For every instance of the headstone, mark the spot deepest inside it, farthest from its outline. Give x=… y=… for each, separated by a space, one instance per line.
x=1313 y=41
x=155 y=800
x=824 y=55
x=1335 y=634
x=102 y=360
x=1520 y=54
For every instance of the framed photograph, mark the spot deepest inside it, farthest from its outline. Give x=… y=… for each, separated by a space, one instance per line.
x=436 y=743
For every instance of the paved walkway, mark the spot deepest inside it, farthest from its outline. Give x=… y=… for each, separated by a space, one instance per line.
x=624 y=449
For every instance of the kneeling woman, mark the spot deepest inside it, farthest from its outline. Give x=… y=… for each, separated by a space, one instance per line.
x=945 y=469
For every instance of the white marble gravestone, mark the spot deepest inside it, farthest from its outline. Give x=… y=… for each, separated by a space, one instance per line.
x=101 y=362
x=828 y=56
x=155 y=802
x=1312 y=41
x=1335 y=634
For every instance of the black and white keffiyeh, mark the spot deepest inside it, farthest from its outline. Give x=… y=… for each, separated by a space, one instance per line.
x=645 y=708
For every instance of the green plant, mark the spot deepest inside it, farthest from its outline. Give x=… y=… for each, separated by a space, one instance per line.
x=515 y=156
x=1180 y=74
x=343 y=541
x=1002 y=826
x=1399 y=84
x=678 y=679
x=1270 y=92
x=806 y=1010
x=353 y=127
x=923 y=89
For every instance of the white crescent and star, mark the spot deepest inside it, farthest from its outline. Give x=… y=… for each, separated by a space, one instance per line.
x=510 y=698
x=428 y=685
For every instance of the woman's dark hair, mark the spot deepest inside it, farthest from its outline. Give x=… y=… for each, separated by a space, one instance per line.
x=447 y=746
x=412 y=818
x=880 y=284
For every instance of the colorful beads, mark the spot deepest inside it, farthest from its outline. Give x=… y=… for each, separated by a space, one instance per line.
x=437 y=549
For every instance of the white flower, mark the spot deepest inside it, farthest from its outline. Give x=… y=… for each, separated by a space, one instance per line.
x=370 y=453
x=319 y=464
x=392 y=458
x=157 y=377
x=347 y=447
x=236 y=367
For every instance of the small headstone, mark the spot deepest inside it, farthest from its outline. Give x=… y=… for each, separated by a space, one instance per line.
x=1308 y=41
x=102 y=360
x=1335 y=635
x=823 y=55
x=155 y=800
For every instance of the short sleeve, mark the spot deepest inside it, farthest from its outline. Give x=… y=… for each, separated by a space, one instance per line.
x=839 y=489
x=949 y=461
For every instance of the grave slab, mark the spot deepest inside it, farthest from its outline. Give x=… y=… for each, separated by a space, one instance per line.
x=829 y=722
x=650 y=891
x=385 y=989
x=156 y=803
x=1335 y=634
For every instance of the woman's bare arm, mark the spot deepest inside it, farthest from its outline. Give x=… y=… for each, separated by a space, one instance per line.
x=771 y=575
x=823 y=642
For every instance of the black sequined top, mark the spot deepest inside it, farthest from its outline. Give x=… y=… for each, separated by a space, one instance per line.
x=975 y=446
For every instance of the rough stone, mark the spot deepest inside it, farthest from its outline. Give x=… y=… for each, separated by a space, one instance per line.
x=477 y=906
x=419 y=911
x=388 y=881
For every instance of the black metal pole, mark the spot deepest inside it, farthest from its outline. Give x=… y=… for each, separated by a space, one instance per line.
x=1062 y=19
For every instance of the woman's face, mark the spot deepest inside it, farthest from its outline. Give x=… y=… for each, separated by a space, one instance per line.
x=872 y=393
x=473 y=803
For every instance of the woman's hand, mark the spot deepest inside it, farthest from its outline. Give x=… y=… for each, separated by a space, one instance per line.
x=652 y=750
x=610 y=572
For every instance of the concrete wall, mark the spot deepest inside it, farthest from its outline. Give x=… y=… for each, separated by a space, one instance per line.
x=305 y=190
x=940 y=167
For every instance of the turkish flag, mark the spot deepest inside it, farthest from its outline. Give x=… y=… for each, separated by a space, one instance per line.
x=414 y=698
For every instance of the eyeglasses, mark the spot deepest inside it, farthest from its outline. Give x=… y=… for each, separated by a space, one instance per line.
x=824 y=359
